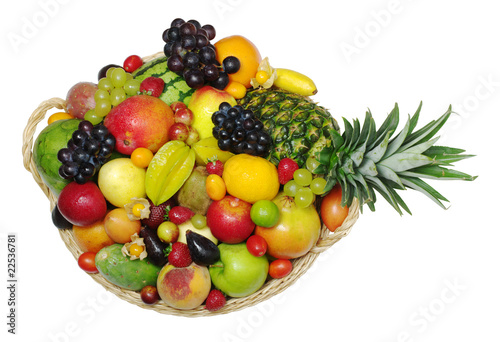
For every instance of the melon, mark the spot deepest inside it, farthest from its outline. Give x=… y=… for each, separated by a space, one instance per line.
x=176 y=89
x=48 y=143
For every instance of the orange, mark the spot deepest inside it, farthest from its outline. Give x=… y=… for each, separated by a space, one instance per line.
x=59 y=116
x=243 y=49
x=119 y=227
x=250 y=178
x=92 y=238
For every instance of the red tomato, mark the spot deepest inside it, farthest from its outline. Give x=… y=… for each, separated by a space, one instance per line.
x=256 y=245
x=280 y=268
x=132 y=63
x=86 y=261
x=331 y=211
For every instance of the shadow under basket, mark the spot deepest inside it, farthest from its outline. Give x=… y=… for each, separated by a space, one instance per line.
x=271 y=288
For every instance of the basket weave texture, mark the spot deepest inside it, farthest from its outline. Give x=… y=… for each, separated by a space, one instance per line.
x=268 y=290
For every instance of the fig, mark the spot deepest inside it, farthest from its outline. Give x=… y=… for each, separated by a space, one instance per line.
x=154 y=246
x=202 y=250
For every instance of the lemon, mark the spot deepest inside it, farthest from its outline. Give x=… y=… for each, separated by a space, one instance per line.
x=251 y=178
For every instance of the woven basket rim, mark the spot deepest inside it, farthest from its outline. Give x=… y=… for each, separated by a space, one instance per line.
x=268 y=290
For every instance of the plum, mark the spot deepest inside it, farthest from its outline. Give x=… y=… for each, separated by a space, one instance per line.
x=80 y=99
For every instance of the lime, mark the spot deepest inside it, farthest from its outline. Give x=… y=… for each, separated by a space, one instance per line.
x=265 y=213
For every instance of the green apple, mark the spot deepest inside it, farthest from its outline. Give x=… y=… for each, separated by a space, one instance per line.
x=238 y=273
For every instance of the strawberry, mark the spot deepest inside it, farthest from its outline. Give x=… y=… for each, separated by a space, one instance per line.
x=215 y=300
x=179 y=255
x=180 y=214
x=286 y=168
x=156 y=214
x=152 y=86
x=215 y=166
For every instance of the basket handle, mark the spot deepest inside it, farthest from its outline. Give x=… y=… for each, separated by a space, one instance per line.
x=28 y=134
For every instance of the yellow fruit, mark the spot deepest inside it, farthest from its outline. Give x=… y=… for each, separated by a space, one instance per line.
x=120 y=181
x=251 y=178
x=243 y=49
x=59 y=116
x=207 y=149
x=236 y=89
x=92 y=238
x=294 y=82
x=168 y=170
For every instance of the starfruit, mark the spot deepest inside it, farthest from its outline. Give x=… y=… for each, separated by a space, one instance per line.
x=206 y=149
x=168 y=170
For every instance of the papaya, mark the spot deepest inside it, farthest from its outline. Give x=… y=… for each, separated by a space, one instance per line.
x=48 y=143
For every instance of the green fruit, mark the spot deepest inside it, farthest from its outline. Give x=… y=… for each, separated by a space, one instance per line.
x=238 y=273
x=118 y=269
x=265 y=213
x=48 y=143
x=176 y=89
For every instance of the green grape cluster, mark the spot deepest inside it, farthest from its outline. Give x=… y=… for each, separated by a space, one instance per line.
x=112 y=90
x=304 y=188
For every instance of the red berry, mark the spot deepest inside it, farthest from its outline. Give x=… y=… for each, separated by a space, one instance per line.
x=179 y=256
x=132 y=63
x=215 y=300
x=257 y=245
x=286 y=168
x=280 y=268
x=152 y=86
x=184 y=115
x=156 y=214
x=180 y=214
x=215 y=167
x=177 y=105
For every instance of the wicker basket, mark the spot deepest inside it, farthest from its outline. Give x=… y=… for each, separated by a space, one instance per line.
x=268 y=290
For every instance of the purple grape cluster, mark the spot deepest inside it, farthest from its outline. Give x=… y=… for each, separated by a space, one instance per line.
x=238 y=130
x=88 y=149
x=190 y=54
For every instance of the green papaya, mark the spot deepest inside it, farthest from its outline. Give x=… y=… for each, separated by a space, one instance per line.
x=118 y=269
x=48 y=143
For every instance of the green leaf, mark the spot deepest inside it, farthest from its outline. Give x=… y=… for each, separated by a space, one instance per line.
x=404 y=161
x=422 y=147
x=385 y=192
x=378 y=152
x=446 y=155
x=396 y=143
x=388 y=127
x=437 y=172
x=389 y=174
x=414 y=119
x=368 y=168
x=426 y=189
x=427 y=132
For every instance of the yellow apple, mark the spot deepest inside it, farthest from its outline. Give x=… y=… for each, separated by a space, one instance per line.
x=120 y=181
x=204 y=102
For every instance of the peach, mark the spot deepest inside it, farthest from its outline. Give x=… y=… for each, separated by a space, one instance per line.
x=119 y=227
x=184 y=288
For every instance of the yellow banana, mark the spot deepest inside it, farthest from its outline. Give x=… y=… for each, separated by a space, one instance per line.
x=294 y=82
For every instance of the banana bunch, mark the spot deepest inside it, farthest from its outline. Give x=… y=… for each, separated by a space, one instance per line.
x=168 y=170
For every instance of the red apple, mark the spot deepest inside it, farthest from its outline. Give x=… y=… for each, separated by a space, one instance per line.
x=229 y=220
x=82 y=204
x=140 y=121
x=178 y=131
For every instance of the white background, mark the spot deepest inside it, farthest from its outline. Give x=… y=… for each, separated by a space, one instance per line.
x=432 y=276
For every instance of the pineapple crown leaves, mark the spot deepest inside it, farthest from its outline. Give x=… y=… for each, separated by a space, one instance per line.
x=365 y=160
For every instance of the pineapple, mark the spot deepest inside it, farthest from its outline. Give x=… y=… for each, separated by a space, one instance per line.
x=297 y=126
x=362 y=159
